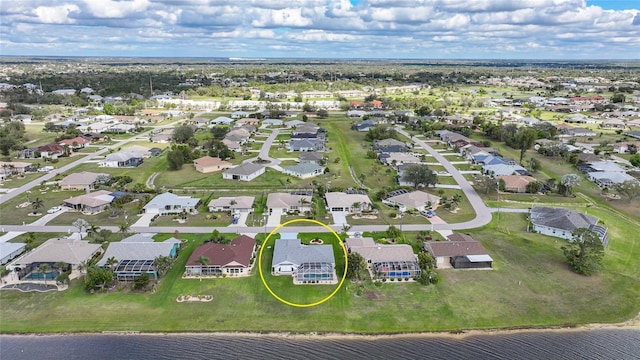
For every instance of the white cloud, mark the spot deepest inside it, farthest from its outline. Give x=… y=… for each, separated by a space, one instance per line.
x=56 y=14
x=115 y=9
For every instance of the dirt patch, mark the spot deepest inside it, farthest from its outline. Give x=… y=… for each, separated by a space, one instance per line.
x=373 y=295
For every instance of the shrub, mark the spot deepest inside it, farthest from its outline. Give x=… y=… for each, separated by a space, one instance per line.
x=377 y=283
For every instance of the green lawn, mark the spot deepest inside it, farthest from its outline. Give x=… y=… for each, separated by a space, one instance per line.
x=529 y=286
x=10 y=214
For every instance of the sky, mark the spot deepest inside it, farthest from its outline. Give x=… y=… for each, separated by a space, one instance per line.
x=343 y=29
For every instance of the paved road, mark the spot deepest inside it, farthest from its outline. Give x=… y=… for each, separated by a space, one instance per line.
x=264 y=150
x=483 y=215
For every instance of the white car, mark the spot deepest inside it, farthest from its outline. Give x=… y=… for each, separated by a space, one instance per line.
x=54 y=209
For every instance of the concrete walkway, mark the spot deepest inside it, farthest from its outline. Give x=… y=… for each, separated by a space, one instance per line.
x=10 y=235
x=144 y=220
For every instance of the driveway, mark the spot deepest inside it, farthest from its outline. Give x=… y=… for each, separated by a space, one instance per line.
x=242 y=220
x=274 y=218
x=144 y=220
x=339 y=218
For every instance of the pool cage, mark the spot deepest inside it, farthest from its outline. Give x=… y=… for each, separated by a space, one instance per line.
x=314 y=273
x=395 y=269
x=129 y=270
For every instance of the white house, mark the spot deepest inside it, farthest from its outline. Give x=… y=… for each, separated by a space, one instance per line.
x=558 y=222
x=244 y=172
x=168 y=203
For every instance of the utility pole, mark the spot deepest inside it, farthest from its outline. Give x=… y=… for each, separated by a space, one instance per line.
x=498 y=193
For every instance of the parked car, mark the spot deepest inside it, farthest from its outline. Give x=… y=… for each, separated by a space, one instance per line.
x=54 y=209
x=428 y=213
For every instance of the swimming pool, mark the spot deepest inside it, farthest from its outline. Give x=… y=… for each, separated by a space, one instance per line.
x=34 y=275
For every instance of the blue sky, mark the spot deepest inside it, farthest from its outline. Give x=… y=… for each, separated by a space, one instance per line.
x=409 y=29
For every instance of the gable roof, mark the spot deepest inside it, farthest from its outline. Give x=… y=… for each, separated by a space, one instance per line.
x=304 y=168
x=244 y=169
x=242 y=202
x=341 y=199
x=559 y=218
x=81 y=178
x=454 y=248
x=208 y=161
x=292 y=251
x=285 y=200
x=96 y=198
x=137 y=250
x=414 y=199
x=311 y=156
x=67 y=250
x=239 y=250
x=171 y=199
x=373 y=252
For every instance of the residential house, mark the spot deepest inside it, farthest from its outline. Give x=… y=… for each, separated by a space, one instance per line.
x=503 y=169
x=272 y=122
x=393 y=261
x=306 y=145
x=163 y=137
x=234 y=204
x=76 y=143
x=307 y=264
x=14 y=167
x=414 y=200
x=460 y=252
x=363 y=126
x=398 y=158
x=232 y=145
x=81 y=181
x=90 y=203
x=207 y=164
x=70 y=250
x=311 y=157
x=516 y=183
x=9 y=251
x=222 y=120
x=304 y=170
x=136 y=255
x=389 y=146
x=239 y=114
x=284 y=203
x=613 y=124
x=121 y=159
x=233 y=259
x=347 y=202
x=558 y=222
x=626 y=147
x=52 y=151
x=244 y=172
x=169 y=203
x=293 y=124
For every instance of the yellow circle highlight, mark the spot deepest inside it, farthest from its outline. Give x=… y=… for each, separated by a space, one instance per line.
x=344 y=275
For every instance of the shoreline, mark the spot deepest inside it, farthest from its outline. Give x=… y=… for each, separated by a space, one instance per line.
x=632 y=324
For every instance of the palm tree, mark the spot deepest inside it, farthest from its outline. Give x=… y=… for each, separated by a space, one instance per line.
x=61 y=266
x=37 y=204
x=110 y=262
x=124 y=228
x=81 y=225
x=43 y=269
x=357 y=207
x=82 y=266
x=202 y=261
x=92 y=230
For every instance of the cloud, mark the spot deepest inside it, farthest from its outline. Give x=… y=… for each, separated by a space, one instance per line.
x=321 y=28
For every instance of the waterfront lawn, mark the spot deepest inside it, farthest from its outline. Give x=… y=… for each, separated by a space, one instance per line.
x=530 y=285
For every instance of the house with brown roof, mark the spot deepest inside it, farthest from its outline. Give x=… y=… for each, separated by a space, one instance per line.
x=385 y=261
x=418 y=200
x=234 y=259
x=284 y=202
x=90 y=203
x=76 y=143
x=516 y=183
x=52 y=150
x=460 y=252
x=235 y=204
x=207 y=164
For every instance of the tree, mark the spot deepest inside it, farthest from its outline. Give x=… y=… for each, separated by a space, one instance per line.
x=355 y=265
x=97 y=277
x=44 y=269
x=618 y=98
x=124 y=228
x=426 y=261
x=36 y=205
x=629 y=189
x=393 y=232
x=162 y=264
x=202 y=261
x=217 y=237
x=6 y=144
x=182 y=134
x=486 y=185
x=534 y=187
x=534 y=164
x=635 y=160
x=322 y=114
x=568 y=182
x=141 y=281
x=525 y=137
x=584 y=252
x=81 y=225
x=420 y=175
x=61 y=266
x=104 y=235
x=111 y=262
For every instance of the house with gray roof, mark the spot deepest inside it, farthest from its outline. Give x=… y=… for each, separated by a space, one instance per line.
x=284 y=202
x=81 y=181
x=136 y=255
x=385 y=261
x=244 y=172
x=558 y=222
x=304 y=170
x=169 y=203
x=9 y=251
x=311 y=157
x=307 y=264
x=234 y=204
x=121 y=159
x=90 y=203
x=306 y=145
